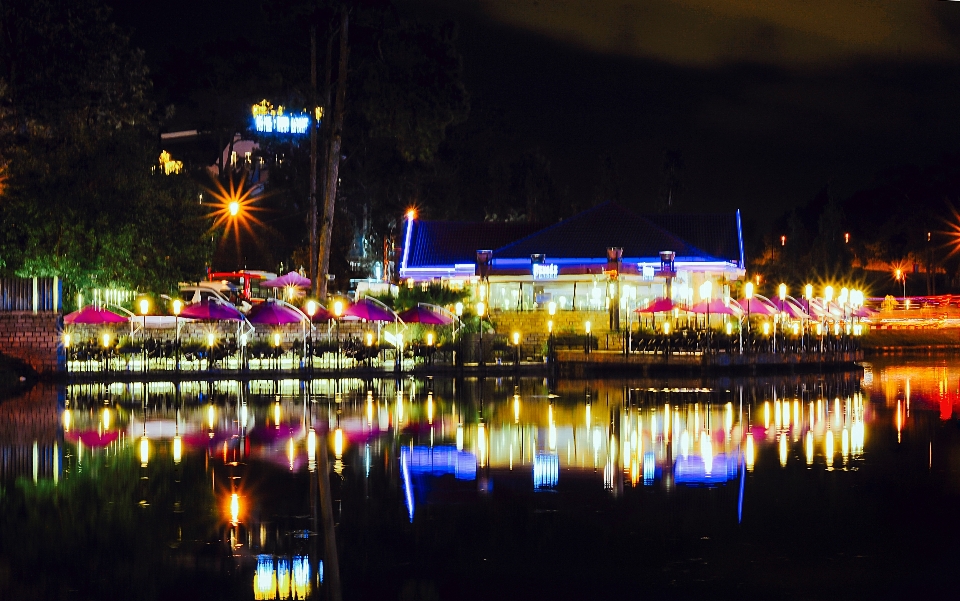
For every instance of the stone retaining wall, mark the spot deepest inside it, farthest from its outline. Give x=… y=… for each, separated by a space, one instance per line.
x=33 y=338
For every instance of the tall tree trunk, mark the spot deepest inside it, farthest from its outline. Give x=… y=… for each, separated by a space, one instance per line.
x=332 y=171
x=313 y=156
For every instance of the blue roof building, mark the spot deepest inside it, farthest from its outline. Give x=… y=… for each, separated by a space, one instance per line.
x=568 y=262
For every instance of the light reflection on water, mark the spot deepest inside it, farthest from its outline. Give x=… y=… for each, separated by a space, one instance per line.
x=245 y=455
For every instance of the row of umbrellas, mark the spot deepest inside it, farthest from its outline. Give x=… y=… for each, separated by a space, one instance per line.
x=758 y=305
x=271 y=312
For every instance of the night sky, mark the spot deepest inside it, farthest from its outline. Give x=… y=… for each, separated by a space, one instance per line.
x=767 y=102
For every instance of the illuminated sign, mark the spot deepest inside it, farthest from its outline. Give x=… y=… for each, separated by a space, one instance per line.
x=545 y=271
x=270 y=120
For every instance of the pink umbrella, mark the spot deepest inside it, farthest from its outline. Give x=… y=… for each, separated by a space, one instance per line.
x=717 y=307
x=661 y=305
x=274 y=314
x=863 y=312
x=760 y=305
x=369 y=310
x=792 y=307
x=421 y=314
x=322 y=314
x=291 y=279
x=209 y=310
x=92 y=314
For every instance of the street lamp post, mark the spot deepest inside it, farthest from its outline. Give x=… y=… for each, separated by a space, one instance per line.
x=337 y=312
x=311 y=311
x=748 y=294
x=481 y=308
x=516 y=343
x=458 y=309
x=827 y=298
x=706 y=291
x=902 y=277
x=587 y=347
x=177 y=307
x=551 y=310
x=783 y=321
x=144 y=305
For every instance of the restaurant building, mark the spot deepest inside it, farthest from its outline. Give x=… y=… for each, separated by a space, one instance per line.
x=606 y=254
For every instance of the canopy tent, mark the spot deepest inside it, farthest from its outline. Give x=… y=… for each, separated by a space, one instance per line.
x=93 y=315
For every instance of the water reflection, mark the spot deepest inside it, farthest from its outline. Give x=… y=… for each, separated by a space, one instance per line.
x=224 y=474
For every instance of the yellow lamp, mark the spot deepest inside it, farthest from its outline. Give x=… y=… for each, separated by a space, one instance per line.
x=369 y=339
x=458 y=309
x=706 y=289
x=828 y=294
x=144 y=306
x=276 y=339
x=808 y=291
x=311 y=307
x=666 y=327
x=516 y=338
x=586 y=326
x=338 y=308
x=783 y=291
x=552 y=308
x=748 y=290
x=550 y=326
x=481 y=309
x=66 y=341
x=106 y=340
x=177 y=306
x=429 y=338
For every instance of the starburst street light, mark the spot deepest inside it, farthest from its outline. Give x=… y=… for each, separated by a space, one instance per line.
x=234 y=207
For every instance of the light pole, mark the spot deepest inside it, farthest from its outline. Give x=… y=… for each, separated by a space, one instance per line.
x=808 y=294
x=587 y=346
x=516 y=343
x=706 y=291
x=144 y=305
x=458 y=309
x=827 y=298
x=311 y=311
x=783 y=321
x=551 y=310
x=748 y=294
x=902 y=277
x=177 y=307
x=481 y=309
x=337 y=312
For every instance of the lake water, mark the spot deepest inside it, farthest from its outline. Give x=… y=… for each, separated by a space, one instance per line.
x=806 y=487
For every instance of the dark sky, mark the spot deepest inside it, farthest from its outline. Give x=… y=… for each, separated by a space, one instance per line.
x=767 y=101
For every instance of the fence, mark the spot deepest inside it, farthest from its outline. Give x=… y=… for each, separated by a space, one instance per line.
x=31 y=294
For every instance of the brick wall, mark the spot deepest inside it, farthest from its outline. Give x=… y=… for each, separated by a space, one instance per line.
x=34 y=338
x=532 y=326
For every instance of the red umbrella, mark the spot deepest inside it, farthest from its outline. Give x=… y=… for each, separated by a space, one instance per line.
x=274 y=314
x=717 y=307
x=209 y=310
x=291 y=279
x=92 y=314
x=370 y=310
x=421 y=314
x=661 y=305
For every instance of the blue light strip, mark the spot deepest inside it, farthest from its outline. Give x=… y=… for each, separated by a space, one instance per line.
x=406 y=246
x=740 y=239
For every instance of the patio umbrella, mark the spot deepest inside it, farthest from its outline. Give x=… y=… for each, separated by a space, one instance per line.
x=274 y=314
x=863 y=312
x=760 y=305
x=661 y=305
x=290 y=279
x=794 y=309
x=370 y=310
x=209 y=310
x=425 y=315
x=94 y=438
x=322 y=314
x=717 y=307
x=94 y=315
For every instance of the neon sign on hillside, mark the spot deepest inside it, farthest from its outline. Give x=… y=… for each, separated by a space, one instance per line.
x=269 y=120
